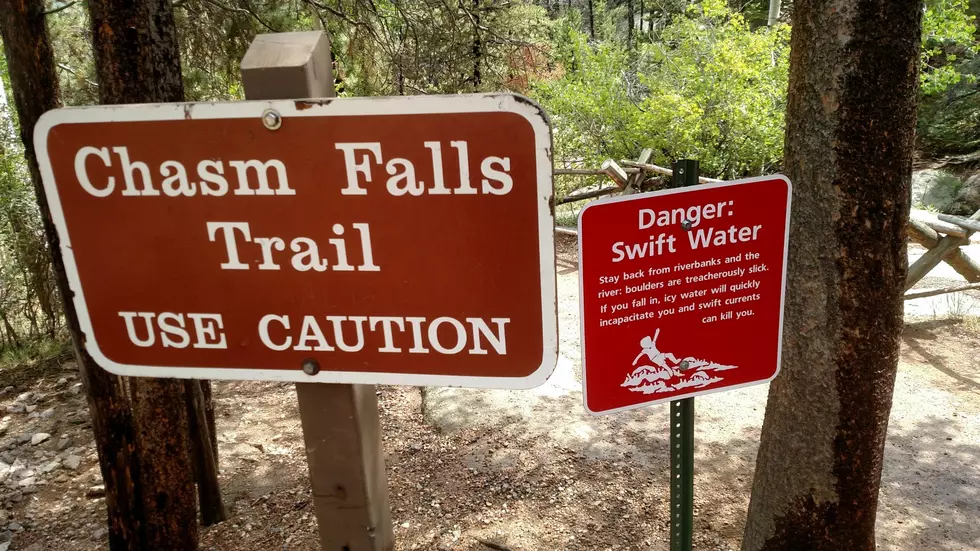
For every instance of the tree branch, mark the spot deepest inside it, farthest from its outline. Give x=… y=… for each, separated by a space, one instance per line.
x=60 y=8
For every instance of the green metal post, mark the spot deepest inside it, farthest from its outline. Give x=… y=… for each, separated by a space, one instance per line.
x=682 y=428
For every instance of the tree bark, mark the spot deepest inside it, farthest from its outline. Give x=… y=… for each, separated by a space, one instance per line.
x=137 y=60
x=31 y=66
x=774 y=7
x=591 y=20
x=849 y=139
x=477 y=46
x=209 y=415
x=205 y=455
x=630 y=23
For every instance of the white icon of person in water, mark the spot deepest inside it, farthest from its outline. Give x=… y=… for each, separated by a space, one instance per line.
x=651 y=351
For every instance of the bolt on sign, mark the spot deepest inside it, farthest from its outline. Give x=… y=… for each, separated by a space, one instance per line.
x=382 y=240
x=682 y=291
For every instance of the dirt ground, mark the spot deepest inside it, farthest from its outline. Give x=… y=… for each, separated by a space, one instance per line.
x=474 y=485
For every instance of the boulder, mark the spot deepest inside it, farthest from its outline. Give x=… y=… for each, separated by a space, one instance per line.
x=967 y=200
x=934 y=189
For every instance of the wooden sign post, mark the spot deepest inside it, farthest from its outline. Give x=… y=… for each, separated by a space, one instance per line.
x=340 y=422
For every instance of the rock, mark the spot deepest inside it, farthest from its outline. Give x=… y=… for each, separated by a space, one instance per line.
x=26 y=398
x=15 y=527
x=6 y=535
x=63 y=444
x=4 y=546
x=39 y=437
x=61 y=381
x=48 y=467
x=24 y=438
x=95 y=492
x=7 y=457
x=47 y=414
x=73 y=462
x=25 y=482
x=967 y=200
x=99 y=534
x=69 y=366
x=30 y=409
x=75 y=389
x=16 y=408
x=934 y=189
x=62 y=478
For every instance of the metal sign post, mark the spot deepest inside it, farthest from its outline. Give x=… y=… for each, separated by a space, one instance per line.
x=673 y=284
x=682 y=428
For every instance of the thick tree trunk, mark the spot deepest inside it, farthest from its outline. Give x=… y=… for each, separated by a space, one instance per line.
x=137 y=60
x=849 y=136
x=30 y=62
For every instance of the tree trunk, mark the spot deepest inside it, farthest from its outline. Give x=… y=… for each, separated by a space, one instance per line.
x=630 y=22
x=205 y=454
x=591 y=20
x=209 y=415
x=774 y=6
x=477 y=46
x=640 y=22
x=31 y=66
x=849 y=138
x=137 y=60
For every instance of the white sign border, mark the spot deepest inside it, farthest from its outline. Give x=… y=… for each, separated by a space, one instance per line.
x=672 y=191
x=403 y=105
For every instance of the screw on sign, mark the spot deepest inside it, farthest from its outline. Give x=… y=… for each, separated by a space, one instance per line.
x=383 y=240
x=682 y=291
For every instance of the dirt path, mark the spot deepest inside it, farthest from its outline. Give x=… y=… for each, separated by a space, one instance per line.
x=528 y=470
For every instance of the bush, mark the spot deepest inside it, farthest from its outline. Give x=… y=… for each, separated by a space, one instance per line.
x=708 y=88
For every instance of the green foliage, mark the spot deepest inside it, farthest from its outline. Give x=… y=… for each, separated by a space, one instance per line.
x=948 y=35
x=29 y=305
x=709 y=88
x=717 y=92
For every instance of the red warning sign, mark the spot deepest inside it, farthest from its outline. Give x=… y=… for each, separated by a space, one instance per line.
x=682 y=291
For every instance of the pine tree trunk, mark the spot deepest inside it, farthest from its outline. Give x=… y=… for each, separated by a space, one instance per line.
x=137 y=60
x=209 y=415
x=774 y=7
x=477 y=46
x=591 y=20
x=31 y=66
x=205 y=455
x=630 y=23
x=849 y=138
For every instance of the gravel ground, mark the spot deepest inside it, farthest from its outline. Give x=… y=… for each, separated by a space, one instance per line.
x=931 y=480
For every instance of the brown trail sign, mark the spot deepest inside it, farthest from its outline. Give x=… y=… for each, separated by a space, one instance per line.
x=396 y=240
x=356 y=241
